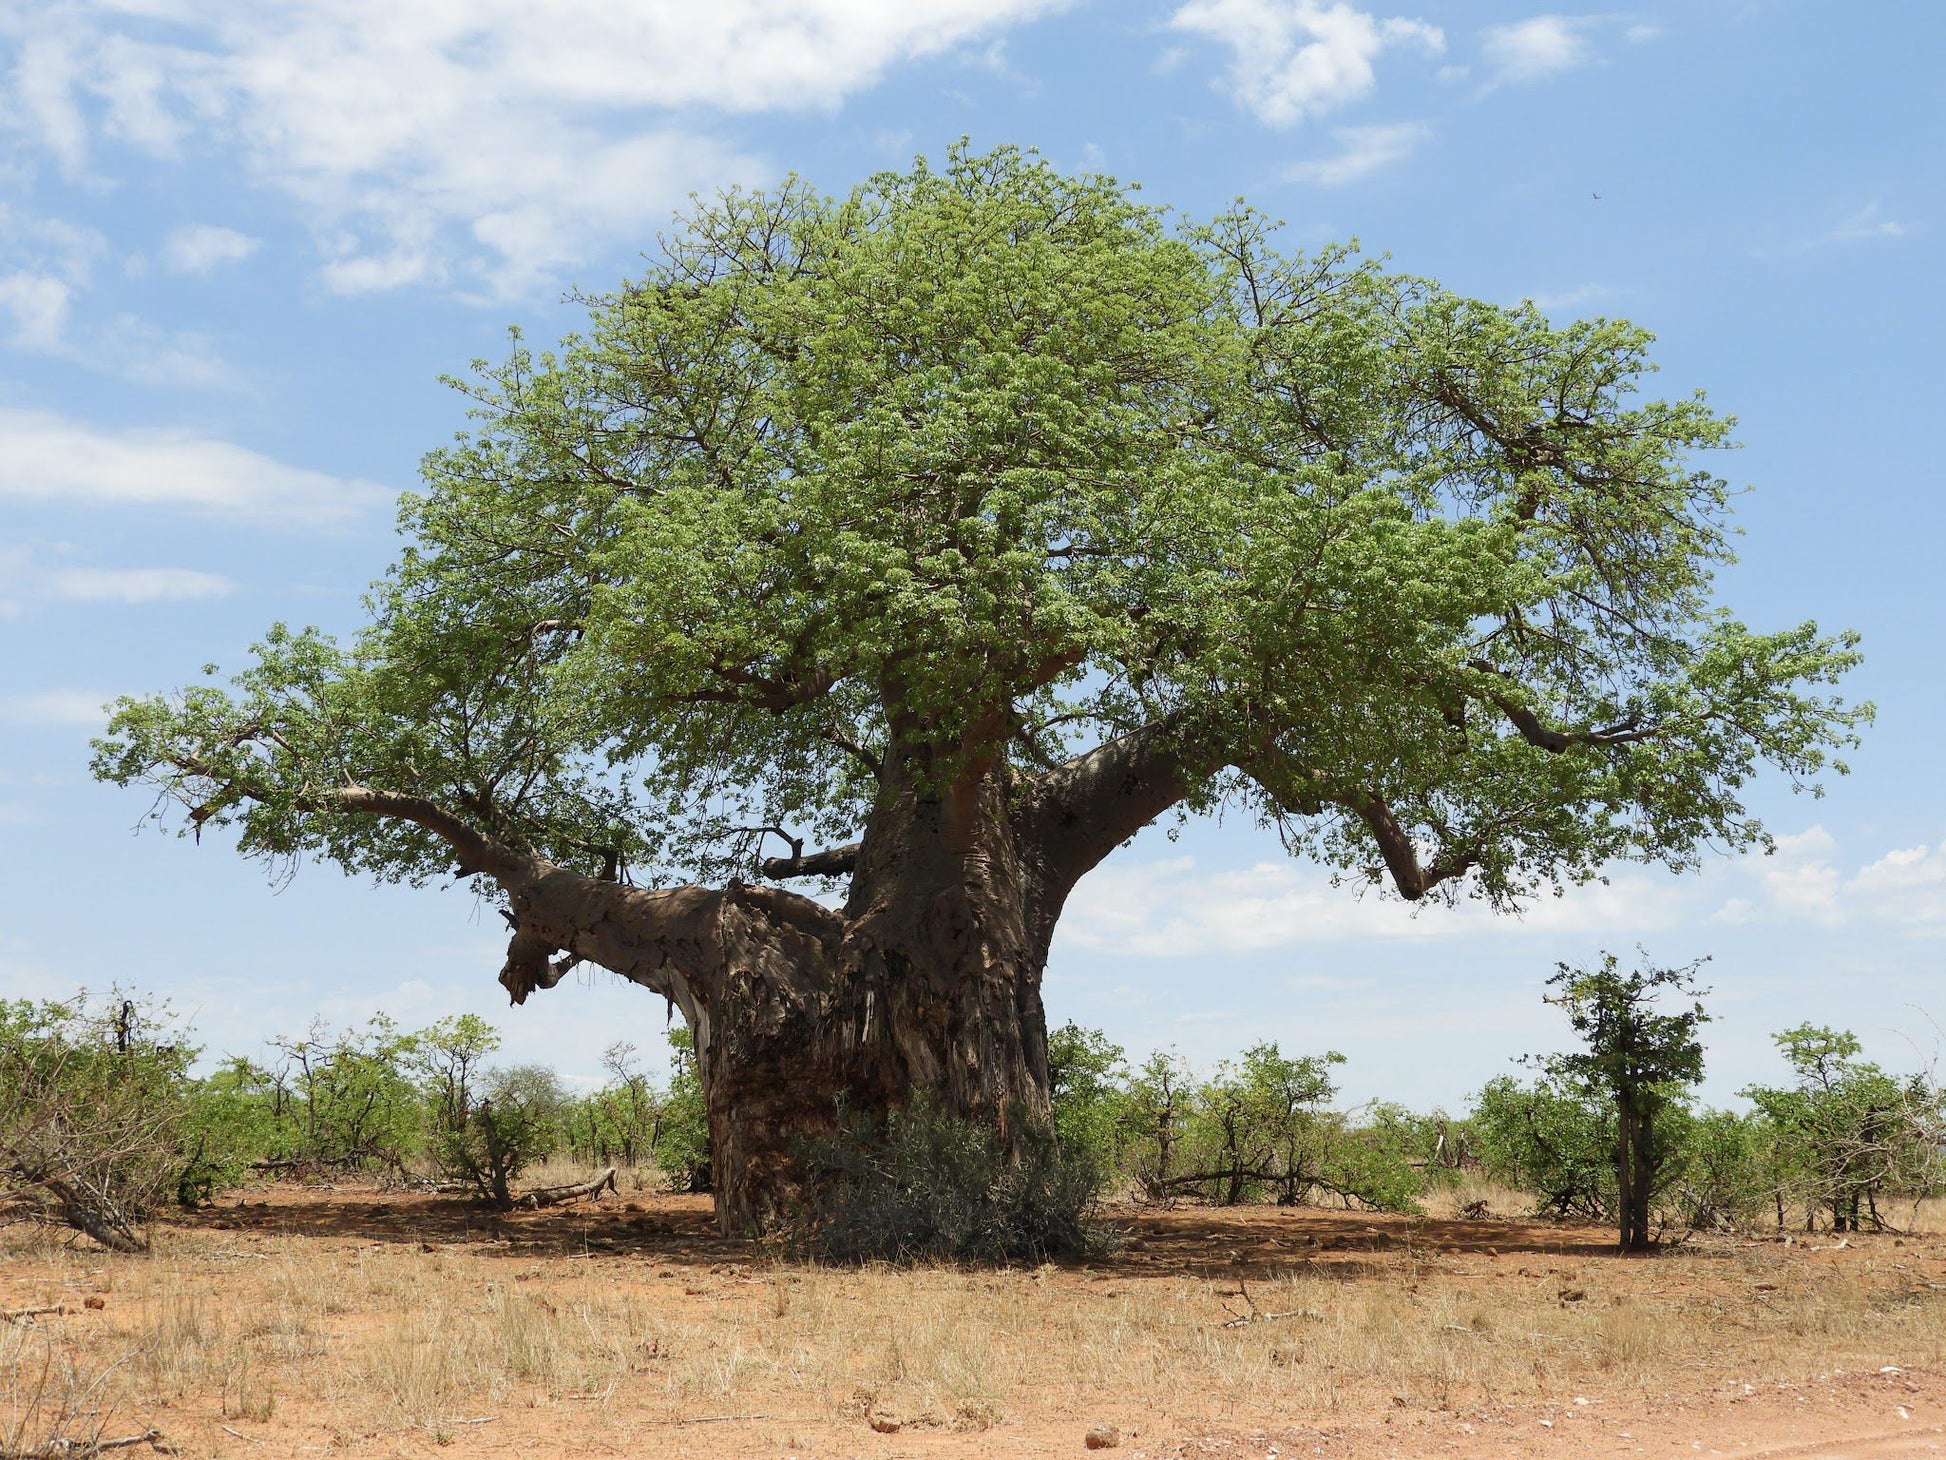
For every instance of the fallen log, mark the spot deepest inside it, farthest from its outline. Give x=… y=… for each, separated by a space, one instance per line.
x=552 y=1196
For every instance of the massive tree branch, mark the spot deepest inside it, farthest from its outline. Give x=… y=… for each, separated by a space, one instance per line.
x=1079 y=812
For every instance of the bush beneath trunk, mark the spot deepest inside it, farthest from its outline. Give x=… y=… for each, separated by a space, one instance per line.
x=923 y=1186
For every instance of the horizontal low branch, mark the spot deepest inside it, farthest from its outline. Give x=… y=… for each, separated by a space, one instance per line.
x=832 y=862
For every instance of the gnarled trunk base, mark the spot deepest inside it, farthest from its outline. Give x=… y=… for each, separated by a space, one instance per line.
x=787 y=1058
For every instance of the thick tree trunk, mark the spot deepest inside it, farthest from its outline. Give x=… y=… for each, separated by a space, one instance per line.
x=926 y=983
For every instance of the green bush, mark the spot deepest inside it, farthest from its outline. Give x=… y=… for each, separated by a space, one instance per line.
x=347 y=1100
x=1155 y=1115
x=510 y=1119
x=1728 y=1174
x=1378 y=1160
x=925 y=1187
x=1846 y=1133
x=1550 y=1138
x=621 y=1124
x=230 y=1127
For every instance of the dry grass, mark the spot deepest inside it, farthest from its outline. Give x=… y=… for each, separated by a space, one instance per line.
x=1929 y=1217
x=346 y=1330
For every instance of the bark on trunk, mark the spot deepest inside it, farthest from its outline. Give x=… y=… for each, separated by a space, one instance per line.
x=1636 y=1168
x=927 y=981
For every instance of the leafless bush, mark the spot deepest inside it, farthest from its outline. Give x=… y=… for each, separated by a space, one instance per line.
x=52 y=1402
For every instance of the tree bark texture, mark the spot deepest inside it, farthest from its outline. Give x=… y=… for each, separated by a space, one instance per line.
x=1636 y=1170
x=926 y=982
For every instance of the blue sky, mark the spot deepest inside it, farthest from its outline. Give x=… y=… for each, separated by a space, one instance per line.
x=241 y=239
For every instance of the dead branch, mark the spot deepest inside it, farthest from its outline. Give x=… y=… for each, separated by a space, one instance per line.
x=1257 y=1315
x=550 y=1196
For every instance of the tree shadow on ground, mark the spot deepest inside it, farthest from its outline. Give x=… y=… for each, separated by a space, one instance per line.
x=1190 y=1241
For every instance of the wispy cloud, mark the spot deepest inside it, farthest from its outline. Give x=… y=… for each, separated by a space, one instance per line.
x=1175 y=908
x=490 y=143
x=1361 y=152
x=65 y=708
x=1868 y=223
x=1293 y=59
x=197 y=248
x=47 y=457
x=1573 y=298
x=1538 y=47
x=28 y=580
x=46 y=269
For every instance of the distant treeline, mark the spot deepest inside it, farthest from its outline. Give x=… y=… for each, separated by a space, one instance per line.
x=102 y=1121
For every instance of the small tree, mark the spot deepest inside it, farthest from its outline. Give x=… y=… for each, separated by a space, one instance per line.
x=1158 y=1105
x=346 y=1099
x=230 y=1127
x=1634 y=1056
x=1551 y=1138
x=686 y=1152
x=514 y=1122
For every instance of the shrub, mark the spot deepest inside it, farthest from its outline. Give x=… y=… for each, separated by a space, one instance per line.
x=230 y=1127
x=1728 y=1173
x=622 y=1122
x=923 y=1186
x=1155 y=1115
x=1379 y=1160
x=346 y=1100
x=92 y=1097
x=1552 y=1139
x=1846 y=1132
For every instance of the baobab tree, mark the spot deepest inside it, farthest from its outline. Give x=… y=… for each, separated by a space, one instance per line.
x=923 y=545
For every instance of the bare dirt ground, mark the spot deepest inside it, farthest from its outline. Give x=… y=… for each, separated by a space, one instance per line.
x=302 y=1321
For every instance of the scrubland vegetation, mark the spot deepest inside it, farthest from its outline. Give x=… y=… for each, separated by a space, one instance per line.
x=103 y=1119
x=1233 y=1245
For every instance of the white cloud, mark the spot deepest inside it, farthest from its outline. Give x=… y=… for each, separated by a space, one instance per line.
x=36 y=308
x=1541 y=46
x=1573 y=298
x=47 y=457
x=1867 y=223
x=509 y=136
x=1361 y=152
x=46 y=266
x=135 y=585
x=56 y=707
x=27 y=580
x=196 y=248
x=1298 y=58
x=1175 y=909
